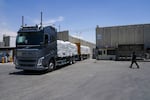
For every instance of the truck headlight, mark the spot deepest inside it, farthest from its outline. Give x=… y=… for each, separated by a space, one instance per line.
x=40 y=61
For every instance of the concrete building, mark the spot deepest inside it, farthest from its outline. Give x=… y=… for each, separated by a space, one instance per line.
x=1 y=44
x=64 y=35
x=9 y=41
x=120 y=41
x=8 y=46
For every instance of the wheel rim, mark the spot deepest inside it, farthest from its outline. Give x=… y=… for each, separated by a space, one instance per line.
x=71 y=61
x=51 y=66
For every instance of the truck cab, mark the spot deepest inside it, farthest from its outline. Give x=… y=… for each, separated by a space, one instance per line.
x=36 y=48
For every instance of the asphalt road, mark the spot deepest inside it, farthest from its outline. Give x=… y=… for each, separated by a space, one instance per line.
x=86 y=80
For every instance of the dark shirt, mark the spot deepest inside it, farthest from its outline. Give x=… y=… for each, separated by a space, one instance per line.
x=133 y=57
x=7 y=54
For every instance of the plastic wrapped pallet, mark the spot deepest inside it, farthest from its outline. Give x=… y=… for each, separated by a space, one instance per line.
x=65 y=49
x=71 y=49
x=74 y=49
x=61 y=52
x=85 y=50
x=88 y=50
x=67 y=46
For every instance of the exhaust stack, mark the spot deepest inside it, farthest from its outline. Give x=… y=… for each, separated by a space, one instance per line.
x=41 y=18
x=22 y=21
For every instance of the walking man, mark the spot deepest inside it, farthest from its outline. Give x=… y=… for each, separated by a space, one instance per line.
x=134 y=60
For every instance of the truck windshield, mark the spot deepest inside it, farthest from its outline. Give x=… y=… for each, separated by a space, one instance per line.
x=29 y=38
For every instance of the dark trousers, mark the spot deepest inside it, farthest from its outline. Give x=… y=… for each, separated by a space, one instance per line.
x=135 y=63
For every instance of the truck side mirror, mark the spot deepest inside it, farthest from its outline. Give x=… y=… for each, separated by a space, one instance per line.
x=46 y=39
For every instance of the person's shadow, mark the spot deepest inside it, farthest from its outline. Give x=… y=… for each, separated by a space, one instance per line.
x=134 y=68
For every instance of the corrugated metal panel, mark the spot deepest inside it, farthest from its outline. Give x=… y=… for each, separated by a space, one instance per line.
x=147 y=36
x=113 y=36
x=121 y=35
x=107 y=37
x=99 y=37
x=139 y=35
x=130 y=33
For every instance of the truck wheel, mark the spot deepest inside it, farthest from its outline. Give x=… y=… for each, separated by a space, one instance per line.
x=51 y=66
x=70 y=61
x=73 y=61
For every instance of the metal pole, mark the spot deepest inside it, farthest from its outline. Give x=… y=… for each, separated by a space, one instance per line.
x=22 y=21
x=41 y=18
x=59 y=28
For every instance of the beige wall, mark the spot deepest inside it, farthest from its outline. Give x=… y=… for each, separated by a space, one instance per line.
x=147 y=36
x=64 y=35
x=129 y=34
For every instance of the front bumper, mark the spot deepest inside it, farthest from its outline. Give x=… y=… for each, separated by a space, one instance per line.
x=34 y=68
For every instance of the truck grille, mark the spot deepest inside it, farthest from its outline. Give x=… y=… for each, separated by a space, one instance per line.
x=27 y=62
x=27 y=57
x=27 y=65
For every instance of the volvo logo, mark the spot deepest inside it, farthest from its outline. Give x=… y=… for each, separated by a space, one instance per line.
x=27 y=47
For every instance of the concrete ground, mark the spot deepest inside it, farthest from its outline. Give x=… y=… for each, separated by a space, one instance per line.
x=85 y=80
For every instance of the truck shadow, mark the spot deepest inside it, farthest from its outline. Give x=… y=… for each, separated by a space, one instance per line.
x=36 y=72
x=28 y=73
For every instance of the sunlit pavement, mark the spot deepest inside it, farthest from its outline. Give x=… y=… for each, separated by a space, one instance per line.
x=85 y=80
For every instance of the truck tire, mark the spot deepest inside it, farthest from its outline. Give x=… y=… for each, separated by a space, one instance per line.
x=51 y=66
x=70 y=61
x=73 y=61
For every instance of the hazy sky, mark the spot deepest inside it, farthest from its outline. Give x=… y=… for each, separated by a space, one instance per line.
x=80 y=17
